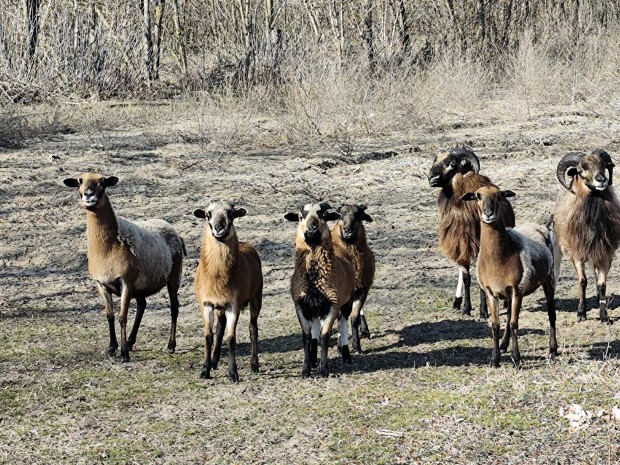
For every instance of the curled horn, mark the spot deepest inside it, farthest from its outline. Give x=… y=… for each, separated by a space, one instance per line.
x=466 y=154
x=608 y=163
x=568 y=160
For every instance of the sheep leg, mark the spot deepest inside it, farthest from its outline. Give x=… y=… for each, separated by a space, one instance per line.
x=174 y=313
x=549 y=288
x=493 y=304
x=467 y=288
x=484 y=311
x=207 y=318
x=109 y=312
x=580 y=268
x=122 y=318
x=326 y=328
x=364 y=331
x=232 y=316
x=343 y=340
x=141 y=304
x=356 y=318
x=458 y=295
x=601 y=291
x=220 y=326
x=517 y=298
x=314 y=342
x=503 y=346
x=255 y=306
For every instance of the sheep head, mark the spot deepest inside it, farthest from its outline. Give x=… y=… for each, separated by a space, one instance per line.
x=350 y=223
x=447 y=164
x=595 y=170
x=91 y=187
x=489 y=199
x=312 y=219
x=220 y=216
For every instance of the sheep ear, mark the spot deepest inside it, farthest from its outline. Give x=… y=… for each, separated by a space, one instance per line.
x=200 y=213
x=109 y=182
x=469 y=196
x=71 y=182
x=239 y=212
x=332 y=216
x=509 y=194
x=292 y=216
x=366 y=217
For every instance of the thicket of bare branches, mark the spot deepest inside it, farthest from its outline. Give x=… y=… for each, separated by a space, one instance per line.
x=116 y=48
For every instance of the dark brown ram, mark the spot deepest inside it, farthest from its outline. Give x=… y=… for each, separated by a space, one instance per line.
x=456 y=173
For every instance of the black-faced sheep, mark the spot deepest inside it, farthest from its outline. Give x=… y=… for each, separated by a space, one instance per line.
x=132 y=260
x=321 y=286
x=513 y=263
x=456 y=173
x=228 y=278
x=349 y=234
x=587 y=220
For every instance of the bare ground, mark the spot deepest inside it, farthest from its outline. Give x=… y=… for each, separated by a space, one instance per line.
x=421 y=393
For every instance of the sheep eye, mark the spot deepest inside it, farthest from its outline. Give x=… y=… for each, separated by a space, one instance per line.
x=208 y=215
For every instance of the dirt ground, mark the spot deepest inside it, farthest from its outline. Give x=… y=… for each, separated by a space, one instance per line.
x=422 y=392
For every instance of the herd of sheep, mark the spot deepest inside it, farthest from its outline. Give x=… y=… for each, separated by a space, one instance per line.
x=334 y=267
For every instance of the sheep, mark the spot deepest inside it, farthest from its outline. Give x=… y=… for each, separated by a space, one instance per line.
x=456 y=173
x=513 y=263
x=349 y=234
x=228 y=278
x=133 y=260
x=587 y=221
x=321 y=286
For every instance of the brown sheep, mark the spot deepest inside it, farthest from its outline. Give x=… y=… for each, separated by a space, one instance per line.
x=513 y=263
x=321 y=286
x=228 y=278
x=349 y=234
x=587 y=221
x=456 y=173
x=133 y=260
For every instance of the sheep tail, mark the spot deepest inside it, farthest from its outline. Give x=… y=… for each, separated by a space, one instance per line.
x=183 y=246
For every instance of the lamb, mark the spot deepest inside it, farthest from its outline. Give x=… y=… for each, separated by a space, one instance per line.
x=513 y=263
x=228 y=278
x=587 y=221
x=456 y=173
x=321 y=286
x=349 y=234
x=133 y=260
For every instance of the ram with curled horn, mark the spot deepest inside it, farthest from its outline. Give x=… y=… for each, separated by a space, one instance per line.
x=587 y=221
x=456 y=172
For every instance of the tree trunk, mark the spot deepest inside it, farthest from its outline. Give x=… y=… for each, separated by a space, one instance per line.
x=32 y=10
x=179 y=36
x=159 y=17
x=145 y=7
x=369 y=38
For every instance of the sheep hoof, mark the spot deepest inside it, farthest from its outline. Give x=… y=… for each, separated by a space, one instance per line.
x=305 y=373
x=125 y=357
x=458 y=301
x=233 y=375
x=254 y=367
x=581 y=317
x=365 y=333
x=112 y=350
x=205 y=373
x=346 y=355
x=504 y=346
x=323 y=373
x=172 y=345
x=516 y=360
